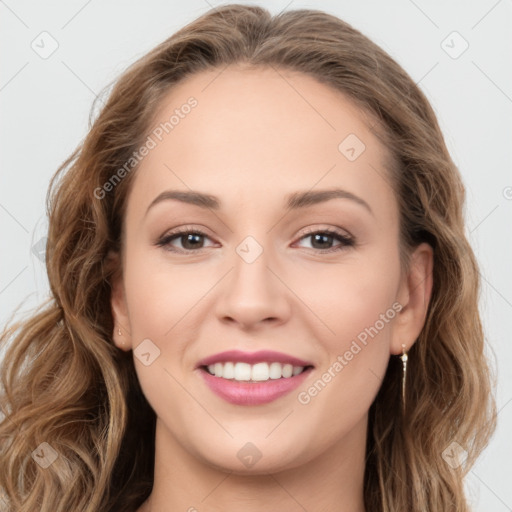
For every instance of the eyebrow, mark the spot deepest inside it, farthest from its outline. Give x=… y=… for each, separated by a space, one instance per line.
x=293 y=201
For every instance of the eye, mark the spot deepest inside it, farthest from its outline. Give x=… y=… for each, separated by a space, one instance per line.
x=191 y=240
x=323 y=239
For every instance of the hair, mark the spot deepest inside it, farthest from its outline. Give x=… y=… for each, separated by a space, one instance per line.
x=63 y=381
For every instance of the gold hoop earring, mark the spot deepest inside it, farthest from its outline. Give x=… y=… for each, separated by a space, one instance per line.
x=404 y=358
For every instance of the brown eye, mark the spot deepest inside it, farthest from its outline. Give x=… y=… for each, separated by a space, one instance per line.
x=190 y=241
x=322 y=240
x=193 y=241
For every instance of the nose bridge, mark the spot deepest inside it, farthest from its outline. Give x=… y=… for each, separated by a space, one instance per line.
x=256 y=249
x=252 y=259
x=252 y=292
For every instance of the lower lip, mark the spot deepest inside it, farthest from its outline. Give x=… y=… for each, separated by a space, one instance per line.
x=252 y=393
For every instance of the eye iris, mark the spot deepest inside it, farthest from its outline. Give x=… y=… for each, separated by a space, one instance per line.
x=191 y=237
x=322 y=238
x=190 y=240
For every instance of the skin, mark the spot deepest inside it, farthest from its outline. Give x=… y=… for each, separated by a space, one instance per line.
x=251 y=140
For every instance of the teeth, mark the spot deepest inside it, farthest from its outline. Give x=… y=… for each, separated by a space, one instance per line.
x=297 y=370
x=242 y=371
x=228 y=371
x=258 y=372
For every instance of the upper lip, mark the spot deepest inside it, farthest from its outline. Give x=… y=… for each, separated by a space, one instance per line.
x=260 y=356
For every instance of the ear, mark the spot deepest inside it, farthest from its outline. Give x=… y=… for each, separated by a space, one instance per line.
x=414 y=296
x=122 y=329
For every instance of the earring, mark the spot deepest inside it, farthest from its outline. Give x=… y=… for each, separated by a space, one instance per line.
x=119 y=331
x=404 y=358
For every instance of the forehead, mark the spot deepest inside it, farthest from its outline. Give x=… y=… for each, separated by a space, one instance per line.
x=261 y=132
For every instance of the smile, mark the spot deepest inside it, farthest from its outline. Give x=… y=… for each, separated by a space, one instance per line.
x=251 y=392
x=258 y=372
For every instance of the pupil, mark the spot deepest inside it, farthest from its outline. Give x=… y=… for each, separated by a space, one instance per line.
x=191 y=238
x=324 y=237
x=194 y=239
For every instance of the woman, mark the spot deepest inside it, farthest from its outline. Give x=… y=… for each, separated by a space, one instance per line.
x=262 y=294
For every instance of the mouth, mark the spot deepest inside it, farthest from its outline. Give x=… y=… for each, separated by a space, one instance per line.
x=244 y=378
x=259 y=372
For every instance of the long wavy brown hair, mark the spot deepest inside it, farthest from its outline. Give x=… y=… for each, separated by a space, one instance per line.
x=63 y=381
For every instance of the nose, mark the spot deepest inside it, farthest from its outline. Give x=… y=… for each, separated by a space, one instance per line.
x=254 y=293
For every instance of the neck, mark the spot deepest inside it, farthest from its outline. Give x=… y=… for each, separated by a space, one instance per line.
x=332 y=481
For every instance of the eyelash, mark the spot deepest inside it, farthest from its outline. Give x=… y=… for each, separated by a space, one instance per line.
x=164 y=241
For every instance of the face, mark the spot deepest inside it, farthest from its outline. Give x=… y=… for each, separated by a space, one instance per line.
x=259 y=266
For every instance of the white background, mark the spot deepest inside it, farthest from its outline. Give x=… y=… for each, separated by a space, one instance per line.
x=45 y=107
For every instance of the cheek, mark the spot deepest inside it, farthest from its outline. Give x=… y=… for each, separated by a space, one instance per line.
x=339 y=300
x=357 y=305
x=161 y=295
x=353 y=295
x=360 y=316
